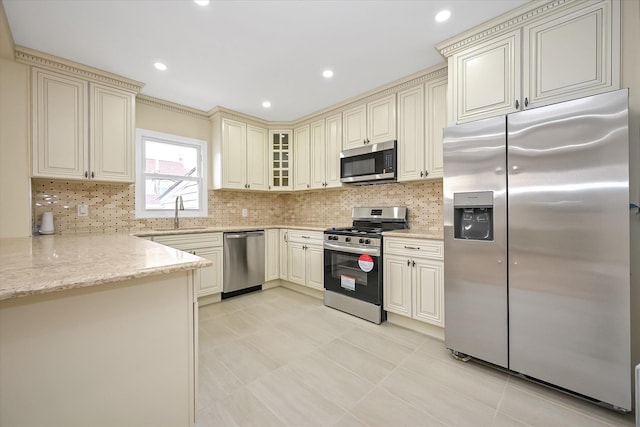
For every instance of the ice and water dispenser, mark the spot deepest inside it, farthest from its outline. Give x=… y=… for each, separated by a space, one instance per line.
x=473 y=215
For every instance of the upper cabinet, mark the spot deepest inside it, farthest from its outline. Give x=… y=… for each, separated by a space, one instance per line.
x=301 y=158
x=573 y=54
x=550 y=54
x=370 y=123
x=240 y=153
x=486 y=78
x=280 y=154
x=326 y=144
x=81 y=129
x=422 y=115
x=436 y=121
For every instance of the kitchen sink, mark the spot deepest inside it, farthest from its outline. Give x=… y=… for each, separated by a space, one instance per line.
x=179 y=229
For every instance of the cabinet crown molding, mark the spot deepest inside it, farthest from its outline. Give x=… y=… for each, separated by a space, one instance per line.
x=170 y=106
x=44 y=60
x=503 y=23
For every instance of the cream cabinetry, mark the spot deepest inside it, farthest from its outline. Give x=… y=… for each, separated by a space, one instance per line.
x=486 y=78
x=240 y=153
x=411 y=131
x=284 y=254
x=207 y=280
x=257 y=158
x=422 y=115
x=306 y=258
x=272 y=254
x=280 y=178
x=333 y=147
x=436 y=121
x=318 y=158
x=301 y=158
x=370 y=123
x=413 y=279
x=551 y=55
x=326 y=144
x=572 y=54
x=81 y=129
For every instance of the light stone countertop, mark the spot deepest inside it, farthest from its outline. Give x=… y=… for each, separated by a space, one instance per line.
x=42 y=264
x=195 y=230
x=415 y=234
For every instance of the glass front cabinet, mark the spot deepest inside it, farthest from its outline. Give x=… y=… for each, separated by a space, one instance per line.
x=281 y=155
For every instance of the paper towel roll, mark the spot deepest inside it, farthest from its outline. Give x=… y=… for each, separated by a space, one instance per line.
x=46 y=227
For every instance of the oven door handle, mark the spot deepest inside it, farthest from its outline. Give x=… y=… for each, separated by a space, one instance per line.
x=360 y=251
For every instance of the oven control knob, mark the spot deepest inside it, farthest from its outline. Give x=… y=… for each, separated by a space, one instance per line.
x=361 y=241
x=367 y=241
x=347 y=239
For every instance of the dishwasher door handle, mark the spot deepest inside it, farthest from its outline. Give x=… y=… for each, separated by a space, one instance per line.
x=243 y=235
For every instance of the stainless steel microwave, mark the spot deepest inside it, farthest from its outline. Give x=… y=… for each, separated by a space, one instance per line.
x=370 y=164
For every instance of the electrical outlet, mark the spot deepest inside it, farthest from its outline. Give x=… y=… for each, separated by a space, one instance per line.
x=244 y=212
x=83 y=210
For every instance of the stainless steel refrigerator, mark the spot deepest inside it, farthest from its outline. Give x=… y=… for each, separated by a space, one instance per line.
x=536 y=240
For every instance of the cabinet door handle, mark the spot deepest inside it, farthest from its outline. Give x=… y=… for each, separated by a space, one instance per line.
x=286 y=237
x=526 y=102
x=248 y=185
x=426 y=174
x=93 y=175
x=421 y=174
x=408 y=263
x=413 y=264
x=364 y=141
x=517 y=104
x=412 y=247
x=308 y=186
x=86 y=174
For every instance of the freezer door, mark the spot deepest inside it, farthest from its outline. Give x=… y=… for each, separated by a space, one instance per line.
x=475 y=255
x=568 y=201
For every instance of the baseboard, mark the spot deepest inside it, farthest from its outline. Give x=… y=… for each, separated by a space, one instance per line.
x=209 y=299
x=302 y=289
x=415 y=325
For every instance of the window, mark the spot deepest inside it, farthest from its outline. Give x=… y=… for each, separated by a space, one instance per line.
x=169 y=166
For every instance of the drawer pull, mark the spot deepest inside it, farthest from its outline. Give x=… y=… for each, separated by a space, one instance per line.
x=412 y=247
x=305 y=237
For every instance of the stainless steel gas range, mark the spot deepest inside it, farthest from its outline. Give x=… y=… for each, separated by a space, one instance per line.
x=353 y=261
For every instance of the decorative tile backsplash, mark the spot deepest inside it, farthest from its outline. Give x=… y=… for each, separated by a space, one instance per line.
x=112 y=206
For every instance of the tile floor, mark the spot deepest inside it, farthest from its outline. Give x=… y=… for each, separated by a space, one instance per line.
x=280 y=358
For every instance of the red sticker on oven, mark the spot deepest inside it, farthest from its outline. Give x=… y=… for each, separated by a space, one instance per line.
x=366 y=263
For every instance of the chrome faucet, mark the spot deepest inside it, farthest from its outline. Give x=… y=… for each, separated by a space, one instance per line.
x=180 y=206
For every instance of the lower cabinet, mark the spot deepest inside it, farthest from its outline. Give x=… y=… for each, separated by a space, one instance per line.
x=414 y=279
x=207 y=280
x=284 y=254
x=272 y=254
x=306 y=258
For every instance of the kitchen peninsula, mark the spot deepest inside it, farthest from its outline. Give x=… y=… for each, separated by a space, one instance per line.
x=96 y=330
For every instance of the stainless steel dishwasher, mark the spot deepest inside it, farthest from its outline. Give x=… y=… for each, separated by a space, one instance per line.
x=243 y=269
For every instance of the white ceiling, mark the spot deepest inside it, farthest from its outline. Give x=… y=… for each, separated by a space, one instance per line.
x=236 y=54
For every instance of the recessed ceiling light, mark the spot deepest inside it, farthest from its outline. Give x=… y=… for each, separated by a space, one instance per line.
x=327 y=74
x=160 y=66
x=443 y=15
x=202 y=2
x=266 y=104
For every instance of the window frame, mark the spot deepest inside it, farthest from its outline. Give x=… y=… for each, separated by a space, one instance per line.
x=141 y=212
